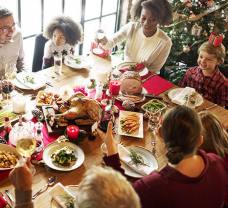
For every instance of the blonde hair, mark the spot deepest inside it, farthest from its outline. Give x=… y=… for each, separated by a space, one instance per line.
x=104 y=187
x=215 y=136
x=219 y=51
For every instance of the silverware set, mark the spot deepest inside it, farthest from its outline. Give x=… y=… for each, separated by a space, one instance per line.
x=7 y=196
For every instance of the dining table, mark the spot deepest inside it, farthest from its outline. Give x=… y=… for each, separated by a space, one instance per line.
x=92 y=148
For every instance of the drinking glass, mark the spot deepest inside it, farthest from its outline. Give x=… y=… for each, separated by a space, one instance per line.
x=58 y=64
x=26 y=142
x=10 y=71
x=153 y=123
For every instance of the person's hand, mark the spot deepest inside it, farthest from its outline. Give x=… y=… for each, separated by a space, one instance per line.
x=21 y=177
x=108 y=139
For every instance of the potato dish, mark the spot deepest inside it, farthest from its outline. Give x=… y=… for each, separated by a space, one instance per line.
x=7 y=159
x=64 y=157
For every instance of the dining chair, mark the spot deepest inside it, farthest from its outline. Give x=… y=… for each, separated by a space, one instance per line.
x=40 y=41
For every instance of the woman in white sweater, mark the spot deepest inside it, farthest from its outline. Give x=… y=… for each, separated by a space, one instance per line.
x=145 y=41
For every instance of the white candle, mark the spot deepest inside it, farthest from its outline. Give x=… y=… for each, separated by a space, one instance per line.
x=19 y=104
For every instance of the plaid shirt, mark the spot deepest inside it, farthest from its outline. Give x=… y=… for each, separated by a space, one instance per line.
x=214 y=88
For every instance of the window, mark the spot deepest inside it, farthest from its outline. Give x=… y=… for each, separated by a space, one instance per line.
x=33 y=16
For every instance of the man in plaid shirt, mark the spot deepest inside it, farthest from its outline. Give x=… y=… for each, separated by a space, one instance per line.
x=206 y=78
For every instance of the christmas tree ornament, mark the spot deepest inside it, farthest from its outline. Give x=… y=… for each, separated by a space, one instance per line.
x=196 y=30
x=186 y=48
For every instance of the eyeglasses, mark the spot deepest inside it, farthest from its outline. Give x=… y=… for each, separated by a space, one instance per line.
x=6 y=29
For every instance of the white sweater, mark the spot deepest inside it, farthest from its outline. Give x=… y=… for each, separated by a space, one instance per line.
x=153 y=51
x=12 y=52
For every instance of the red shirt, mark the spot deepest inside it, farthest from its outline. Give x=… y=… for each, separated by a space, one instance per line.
x=214 y=88
x=170 y=188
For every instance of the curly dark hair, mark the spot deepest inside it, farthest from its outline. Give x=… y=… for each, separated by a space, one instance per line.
x=4 y=12
x=160 y=8
x=71 y=30
x=181 y=129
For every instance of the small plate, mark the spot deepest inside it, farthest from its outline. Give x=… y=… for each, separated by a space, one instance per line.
x=148 y=158
x=172 y=93
x=75 y=62
x=125 y=115
x=21 y=81
x=51 y=148
x=7 y=148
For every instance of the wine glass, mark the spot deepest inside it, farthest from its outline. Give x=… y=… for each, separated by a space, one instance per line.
x=10 y=71
x=26 y=142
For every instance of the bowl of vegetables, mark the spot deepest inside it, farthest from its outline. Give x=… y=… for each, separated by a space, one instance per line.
x=154 y=106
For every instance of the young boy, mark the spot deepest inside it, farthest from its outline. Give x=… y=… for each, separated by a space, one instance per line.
x=206 y=77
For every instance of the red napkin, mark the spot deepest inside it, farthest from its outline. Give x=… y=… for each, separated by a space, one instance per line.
x=156 y=85
x=3 y=202
x=3 y=176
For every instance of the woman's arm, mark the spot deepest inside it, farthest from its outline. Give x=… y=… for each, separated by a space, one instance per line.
x=118 y=37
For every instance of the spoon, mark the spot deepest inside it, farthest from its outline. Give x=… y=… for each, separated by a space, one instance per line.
x=50 y=182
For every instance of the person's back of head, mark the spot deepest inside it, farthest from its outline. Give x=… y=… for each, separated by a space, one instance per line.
x=215 y=136
x=181 y=130
x=103 y=188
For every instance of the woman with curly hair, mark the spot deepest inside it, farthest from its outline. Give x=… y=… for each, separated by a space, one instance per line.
x=63 y=34
x=145 y=42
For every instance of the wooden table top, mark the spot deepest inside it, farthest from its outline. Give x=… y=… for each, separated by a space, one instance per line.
x=93 y=153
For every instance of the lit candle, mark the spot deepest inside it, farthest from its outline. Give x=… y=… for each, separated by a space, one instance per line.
x=19 y=104
x=72 y=132
x=114 y=87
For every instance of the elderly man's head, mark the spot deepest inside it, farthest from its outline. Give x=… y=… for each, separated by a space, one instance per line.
x=7 y=25
x=105 y=187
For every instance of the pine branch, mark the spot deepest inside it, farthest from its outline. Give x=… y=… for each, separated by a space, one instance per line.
x=200 y=16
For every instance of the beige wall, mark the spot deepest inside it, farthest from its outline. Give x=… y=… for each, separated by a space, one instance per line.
x=125 y=10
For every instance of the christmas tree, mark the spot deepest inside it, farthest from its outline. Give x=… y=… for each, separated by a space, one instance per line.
x=194 y=21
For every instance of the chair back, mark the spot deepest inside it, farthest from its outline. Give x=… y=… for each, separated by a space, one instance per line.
x=38 y=52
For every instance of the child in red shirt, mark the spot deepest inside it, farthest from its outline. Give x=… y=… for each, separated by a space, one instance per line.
x=206 y=77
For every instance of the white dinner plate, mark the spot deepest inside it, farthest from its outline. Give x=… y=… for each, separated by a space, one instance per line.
x=21 y=82
x=7 y=148
x=142 y=72
x=76 y=62
x=138 y=133
x=172 y=93
x=53 y=147
x=148 y=159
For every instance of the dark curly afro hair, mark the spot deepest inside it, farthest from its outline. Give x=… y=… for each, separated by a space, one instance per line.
x=160 y=8
x=71 y=30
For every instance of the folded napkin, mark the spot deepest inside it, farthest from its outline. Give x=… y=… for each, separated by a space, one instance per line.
x=3 y=202
x=156 y=85
x=182 y=97
x=62 y=196
x=124 y=154
x=30 y=80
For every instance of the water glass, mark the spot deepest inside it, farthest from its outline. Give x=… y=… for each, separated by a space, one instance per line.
x=58 y=63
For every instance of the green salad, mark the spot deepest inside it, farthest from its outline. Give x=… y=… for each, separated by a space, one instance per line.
x=64 y=157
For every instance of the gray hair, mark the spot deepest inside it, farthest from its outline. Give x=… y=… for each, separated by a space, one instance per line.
x=4 y=12
x=104 y=187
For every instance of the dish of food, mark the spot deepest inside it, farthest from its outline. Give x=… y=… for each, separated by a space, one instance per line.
x=7 y=113
x=75 y=62
x=194 y=100
x=144 y=156
x=130 y=124
x=47 y=98
x=29 y=81
x=63 y=156
x=8 y=157
x=154 y=106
